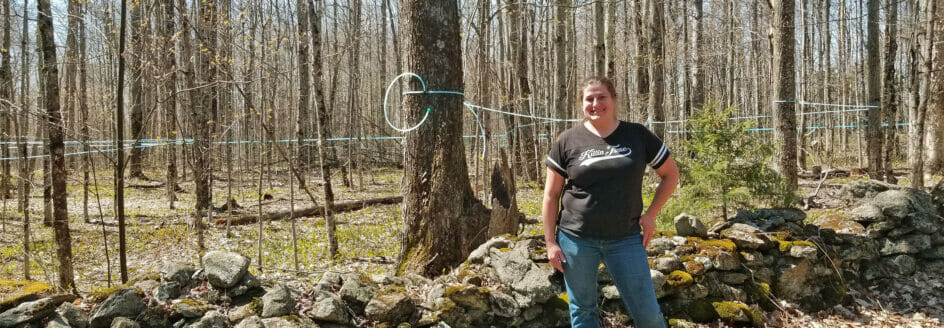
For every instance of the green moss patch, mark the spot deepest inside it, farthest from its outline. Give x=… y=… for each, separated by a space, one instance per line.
x=679 y=279
x=786 y=245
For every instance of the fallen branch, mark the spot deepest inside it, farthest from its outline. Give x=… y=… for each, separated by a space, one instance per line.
x=310 y=211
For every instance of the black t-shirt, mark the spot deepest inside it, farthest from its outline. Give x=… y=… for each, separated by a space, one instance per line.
x=603 y=195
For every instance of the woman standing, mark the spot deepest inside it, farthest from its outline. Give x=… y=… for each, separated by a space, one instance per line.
x=593 y=207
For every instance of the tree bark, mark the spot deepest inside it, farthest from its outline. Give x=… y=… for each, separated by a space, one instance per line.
x=786 y=94
x=50 y=74
x=323 y=129
x=874 y=130
x=599 y=41
x=934 y=163
x=442 y=219
x=136 y=63
x=889 y=97
x=168 y=63
x=656 y=69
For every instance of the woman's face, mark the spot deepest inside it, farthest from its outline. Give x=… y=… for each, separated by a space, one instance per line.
x=598 y=103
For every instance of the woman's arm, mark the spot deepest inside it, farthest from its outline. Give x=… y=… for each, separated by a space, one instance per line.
x=551 y=204
x=670 y=177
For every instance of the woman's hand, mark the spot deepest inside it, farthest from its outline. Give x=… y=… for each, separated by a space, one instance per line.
x=648 y=223
x=556 y=256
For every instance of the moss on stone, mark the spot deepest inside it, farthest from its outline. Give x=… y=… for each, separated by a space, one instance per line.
x=679 y=279
x=504 y=249
x=102 y=295
x=724 y=244
x=12 y=292
x=694 y=267
x=786 y=245
x=728 y=311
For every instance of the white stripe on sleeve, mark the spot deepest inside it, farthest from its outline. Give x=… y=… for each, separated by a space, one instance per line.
x=555 y=164
x=659 y=156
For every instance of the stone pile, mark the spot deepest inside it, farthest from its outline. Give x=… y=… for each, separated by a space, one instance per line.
x=733 y=271
x=887 y=231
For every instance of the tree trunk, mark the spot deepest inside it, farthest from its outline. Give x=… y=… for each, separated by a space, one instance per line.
x=302 y=132
x=322 y=128
x=6 y=92
x=786 y=94
x=874 y=129
x=168 y=63
x=50 y=74
x=934 y=163
x=656 y=69
x=119 y=145
x=889 y=96
x=23 y=127
x=642 y=57
x=561 y=87
x=443 y=221
x=136 y=63
x=205 y=67
x=698 y=63
x=599 y=41
x=922 y=68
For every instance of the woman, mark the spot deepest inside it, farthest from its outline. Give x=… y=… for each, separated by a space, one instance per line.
x=595 y=215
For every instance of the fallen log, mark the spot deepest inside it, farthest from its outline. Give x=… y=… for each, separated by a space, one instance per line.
x=309 y=211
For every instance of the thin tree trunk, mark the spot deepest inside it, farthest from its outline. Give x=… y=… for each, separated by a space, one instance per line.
x=889 y=96
x=119 y=145
x=136 y=63
x=874 y=130
x=169 y=65
x=924 y=68
x=656 y=69
x=50 y=73
x=787 y=95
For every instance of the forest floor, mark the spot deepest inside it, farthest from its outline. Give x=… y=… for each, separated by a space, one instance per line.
x=368 y=242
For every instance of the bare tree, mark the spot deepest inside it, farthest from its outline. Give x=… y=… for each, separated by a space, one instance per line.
x=874 y=129
x=442 y=219
x=138 y=32
x=922 y=65
x=56 y=131
x=889 y=96
x=656 y=68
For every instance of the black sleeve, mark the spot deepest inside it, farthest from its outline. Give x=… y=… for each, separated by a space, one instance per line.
x=656 y=151
x=556 y=159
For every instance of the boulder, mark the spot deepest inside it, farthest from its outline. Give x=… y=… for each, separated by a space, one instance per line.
x=840 y=224
x=725 y=261
x=122 y=322
x=224 y=269
x=864 y=189
x=125 y=302
x=902 y=264
x=189 y=308
x=480 y=253
x=277 y=302
x=934 y=253
x=894 y=203
x=923 y=222
x=166 y=291
x=329 y=308
x=288 y=322
x=911 y=244
x=658 y=282
x=34 y=311
x=68 y=315
x=329 y=281
x=745 y=236
x=867 y=212
x=154 y=317
x=803 y=251
x=356 y=291
x=212 y=319
x=690 y=226
x=391 y=305
x=177 y=272
x=879 y=229
x=660 y=245
x=12 y=293
x=250 y=322
x=469 y=296
x=503 y=305
x=667 y=263
x=610 y=292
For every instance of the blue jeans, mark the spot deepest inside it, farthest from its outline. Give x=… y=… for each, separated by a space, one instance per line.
x=628 y=265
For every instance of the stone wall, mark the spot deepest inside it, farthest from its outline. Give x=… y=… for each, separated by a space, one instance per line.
x=735 y=271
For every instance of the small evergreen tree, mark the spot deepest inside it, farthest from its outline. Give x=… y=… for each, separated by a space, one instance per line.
x=727 y=165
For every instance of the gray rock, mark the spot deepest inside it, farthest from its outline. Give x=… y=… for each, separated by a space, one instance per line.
x=166 y=291
x=288 y=322
x=923 y=223
x=658 y=282
x=480 y=253
x=146 y=285
x=794 y=281
x=356 y=292
x=277 y=302
x=753 y=259
x=32 y=311
x=660 y=245
x=331 y=309
x=536 y=286
x=503 y=305
x=935 y=266
x=839 y=224
x=904 y=265
x=804 y=251
x=936 y=252
x=872 y=272
x=725 y=261
x=733 y=278
x=247 y=283
x=690 y=226
x=610 y=292
x=867 y=212
x=731 y=293
x=123 y=303
x=470 y=297
x=71 y=316
x=667 y=263
x=154 y=317
x=745 y=236
x=177 y=272
x=894 y=203
x=224 y=269
x=879 y=229
x=899 y=231
x=212 y=319
x=329 y=280
x=693 y=292
x=864 y=188
x=768 y=219
x=122 y=322
x=911 y=244
x=250 y=322
x=392 y=305
x=190 y=309
x=937 y=239
x=237 y=314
